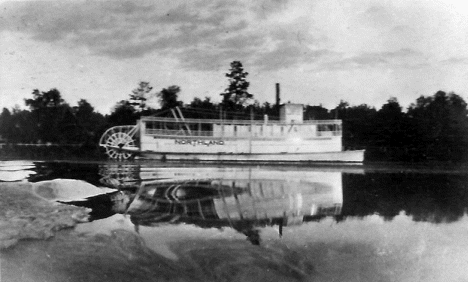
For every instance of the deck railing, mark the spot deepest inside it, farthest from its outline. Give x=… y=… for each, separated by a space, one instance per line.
x=329 y=133
x=180 y=132
x=210 y=133
x=240 y=122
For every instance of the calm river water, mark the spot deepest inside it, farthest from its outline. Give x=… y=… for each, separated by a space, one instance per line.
x=162 y=222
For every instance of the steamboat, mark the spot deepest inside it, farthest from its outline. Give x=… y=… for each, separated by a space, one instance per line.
x=289 y=139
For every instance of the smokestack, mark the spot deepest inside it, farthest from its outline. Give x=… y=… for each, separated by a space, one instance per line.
x=278 y=94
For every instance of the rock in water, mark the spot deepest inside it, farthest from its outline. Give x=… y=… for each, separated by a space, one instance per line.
x=67 y=190
x=23 y=215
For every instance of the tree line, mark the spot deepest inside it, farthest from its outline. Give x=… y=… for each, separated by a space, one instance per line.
x=433 y=128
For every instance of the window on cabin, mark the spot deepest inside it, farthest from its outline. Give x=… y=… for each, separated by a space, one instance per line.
x=207 y=129
x=171 y=126
x=149 y=127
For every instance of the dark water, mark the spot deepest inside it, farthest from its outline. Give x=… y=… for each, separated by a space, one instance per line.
x=154 y=222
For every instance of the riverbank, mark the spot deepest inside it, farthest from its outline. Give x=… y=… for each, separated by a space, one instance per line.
x=24 y=215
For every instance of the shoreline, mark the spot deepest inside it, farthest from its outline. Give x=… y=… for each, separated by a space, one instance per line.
x=24 y=215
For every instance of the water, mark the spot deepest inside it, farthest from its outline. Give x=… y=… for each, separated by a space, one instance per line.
x=160 y=222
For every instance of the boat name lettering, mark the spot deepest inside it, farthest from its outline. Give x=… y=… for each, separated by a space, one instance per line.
x=198 y=142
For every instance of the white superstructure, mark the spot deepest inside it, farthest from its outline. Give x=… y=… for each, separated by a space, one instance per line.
x=289 y=139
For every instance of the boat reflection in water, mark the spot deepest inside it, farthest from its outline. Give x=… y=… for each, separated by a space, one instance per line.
x=245 y=199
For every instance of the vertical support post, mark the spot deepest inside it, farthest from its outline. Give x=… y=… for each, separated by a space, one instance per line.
x=142 y=131
x=251 y=130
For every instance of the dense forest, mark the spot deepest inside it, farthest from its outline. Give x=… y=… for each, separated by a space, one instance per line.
x=433 y=128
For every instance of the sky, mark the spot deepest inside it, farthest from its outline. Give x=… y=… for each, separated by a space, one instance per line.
x=320 y=51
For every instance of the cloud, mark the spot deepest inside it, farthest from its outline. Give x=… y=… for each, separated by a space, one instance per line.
x=265 y=9
x=377 y=16
x=52 y=21
x=121 y=29
x=288 y=54
x=214 y=32
x=202 y=35
x=403 y=58
x=455 y=61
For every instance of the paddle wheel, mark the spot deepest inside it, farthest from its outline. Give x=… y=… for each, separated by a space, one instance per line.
x=120 y=142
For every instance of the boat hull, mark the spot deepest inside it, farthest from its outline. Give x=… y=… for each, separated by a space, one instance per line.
x=356 y=156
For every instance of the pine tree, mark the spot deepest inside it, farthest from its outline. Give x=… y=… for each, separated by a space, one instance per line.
x=139 y=96
x=236 y=95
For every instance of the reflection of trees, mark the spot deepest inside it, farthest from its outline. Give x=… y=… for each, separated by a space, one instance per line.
x=426 y=197
x=54 y=170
